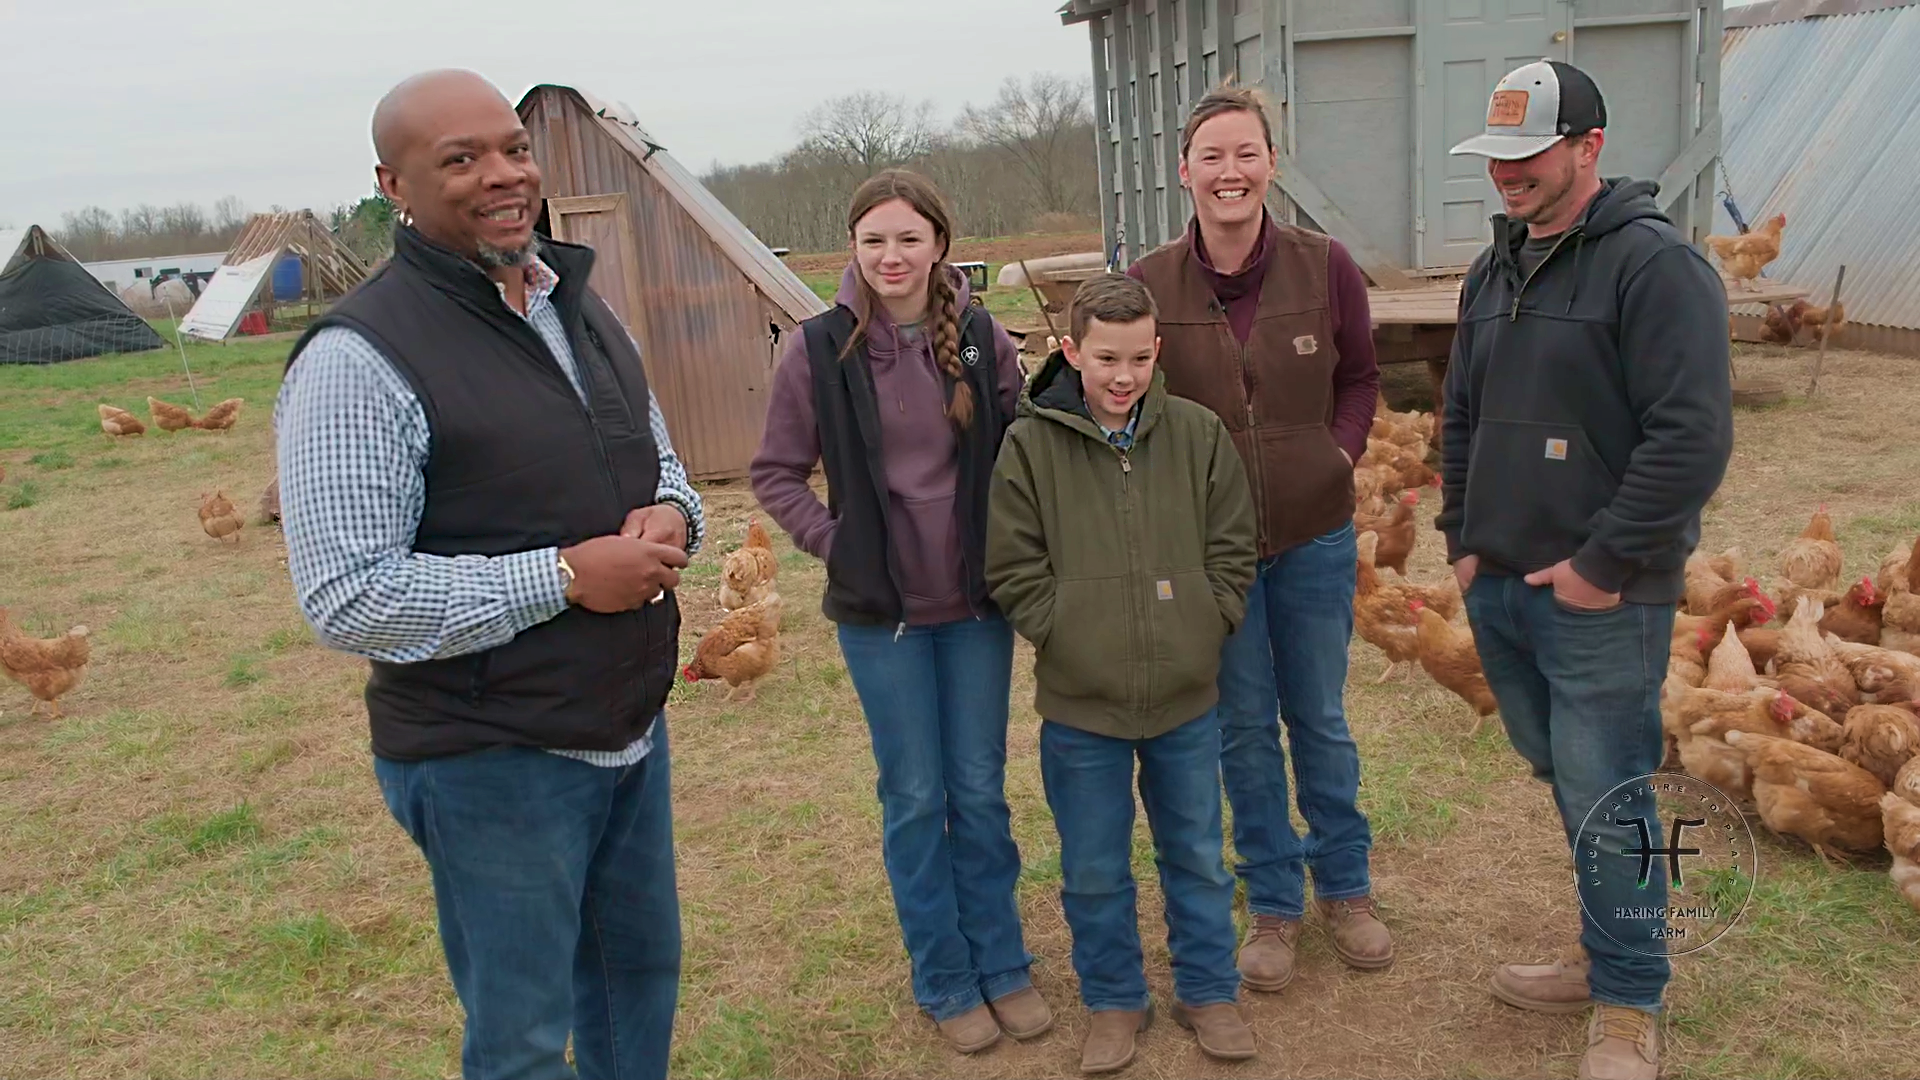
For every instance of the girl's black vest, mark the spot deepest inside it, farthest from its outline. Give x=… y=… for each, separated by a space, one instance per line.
x=863 y=576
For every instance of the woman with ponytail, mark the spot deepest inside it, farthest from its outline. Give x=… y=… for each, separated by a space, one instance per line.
x=902 y=393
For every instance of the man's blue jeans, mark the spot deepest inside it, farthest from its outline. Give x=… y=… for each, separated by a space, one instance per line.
x=1289 y=660
x=1579 y=694
x=936 y=703
x=558 y=911
x=1089 y=780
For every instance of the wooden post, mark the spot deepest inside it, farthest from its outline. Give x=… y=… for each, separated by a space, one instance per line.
x=1826 y=332
x=1038 y=299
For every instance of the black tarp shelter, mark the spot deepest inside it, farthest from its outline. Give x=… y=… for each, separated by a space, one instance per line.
x=51 y=309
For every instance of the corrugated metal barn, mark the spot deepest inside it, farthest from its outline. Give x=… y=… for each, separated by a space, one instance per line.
x=1370 y=94
x=1823 y=124
x=704 y=297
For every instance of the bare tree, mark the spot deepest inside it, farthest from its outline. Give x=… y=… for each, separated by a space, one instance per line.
x=142 y=220
x=1042 y=125
x=88 y=233
x=868 y=131
x=183 y=222
x=230 y=212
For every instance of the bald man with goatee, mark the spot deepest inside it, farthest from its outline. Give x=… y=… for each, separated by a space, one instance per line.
x=480 y=498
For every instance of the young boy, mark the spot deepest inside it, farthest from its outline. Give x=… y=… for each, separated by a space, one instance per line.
x=1120 y=541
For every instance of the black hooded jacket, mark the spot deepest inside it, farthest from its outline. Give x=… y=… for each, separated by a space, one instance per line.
x=1588 y=408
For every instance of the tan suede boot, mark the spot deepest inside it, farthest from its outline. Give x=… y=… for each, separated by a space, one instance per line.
x=1023 y=1014
x=1359 y=937
x=1110 y=1039
x=1559 y=987
x=1267 y=956
x=972 y=1031
x=1222 y=1032
x=1622 y=1044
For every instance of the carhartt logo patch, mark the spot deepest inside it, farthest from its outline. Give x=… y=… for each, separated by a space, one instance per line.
x=1507 y=109
x=1305 y=345
x=1164 y=589
x=1556 y=449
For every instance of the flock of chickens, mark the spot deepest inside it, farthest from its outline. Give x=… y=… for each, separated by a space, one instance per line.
x=743 y=647
x=1743 y=257
x=51 y=667
x=1814 y=725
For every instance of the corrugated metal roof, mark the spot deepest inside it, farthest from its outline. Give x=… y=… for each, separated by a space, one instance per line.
x=1823 y=124
x=773 y=278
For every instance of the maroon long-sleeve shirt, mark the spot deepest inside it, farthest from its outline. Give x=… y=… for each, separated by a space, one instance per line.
x=1356 y=378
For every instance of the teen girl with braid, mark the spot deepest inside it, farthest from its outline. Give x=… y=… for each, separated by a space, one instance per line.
x=902 y=392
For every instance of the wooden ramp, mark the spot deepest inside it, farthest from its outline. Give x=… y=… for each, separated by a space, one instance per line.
x=1438 y=303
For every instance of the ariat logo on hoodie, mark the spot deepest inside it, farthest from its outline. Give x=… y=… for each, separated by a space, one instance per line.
x=1556 y=449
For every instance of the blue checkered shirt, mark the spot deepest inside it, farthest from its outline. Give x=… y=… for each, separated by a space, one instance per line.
x=1121 y=440
x=353 y=443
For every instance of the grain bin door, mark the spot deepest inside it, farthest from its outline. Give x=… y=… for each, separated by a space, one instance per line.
x=1465 y=48
x=602 y=223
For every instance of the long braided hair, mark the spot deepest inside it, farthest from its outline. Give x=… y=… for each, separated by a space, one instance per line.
x=943 y=300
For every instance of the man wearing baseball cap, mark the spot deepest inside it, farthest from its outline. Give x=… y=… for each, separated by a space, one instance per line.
x=1587 y=420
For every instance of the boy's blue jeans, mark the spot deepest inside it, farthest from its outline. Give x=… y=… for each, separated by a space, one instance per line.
x=1089 y=781
x=936 y=703
x=1579 y=694
x=1288 y=661
x=558 y=911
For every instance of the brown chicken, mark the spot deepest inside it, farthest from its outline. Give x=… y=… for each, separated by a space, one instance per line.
x=741 y=650
x=1708 y=576
x=1900 y=570
x=1811 y=794
x=168 y=417
x=1743 y=257
x=1763 y=644
x=1883 y=676
x=1395 y=529
x=1808 y=668
x=119 y=422
x=1730 y=669
x=1382 y=609
x=1812 y=560
x=48 y=667
x=1448 y=655
x=1857 y=617
x=1368 y=492
x=1823 y=321
x=1881 y=739
x=1701 y=719
x=1900 y=824
x=221 y=417
x=747 y=574
x=1742 y=605
x=1900 y=613
x=219 y=518
x=1782 y=322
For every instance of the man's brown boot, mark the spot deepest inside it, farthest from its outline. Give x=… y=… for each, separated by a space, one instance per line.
x=1359 y=937
x=1622 y=1044
x=1023 y=1014
x=1559 y=987
x=972 y=1031
x=1222 y=1032
x=1110 y=1032
x=1266 y=957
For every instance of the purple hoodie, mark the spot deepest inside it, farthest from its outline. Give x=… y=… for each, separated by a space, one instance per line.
x=917 y=447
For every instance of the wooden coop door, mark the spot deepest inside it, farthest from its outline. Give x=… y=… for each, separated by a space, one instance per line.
x=602 y=223
x=1466 y=47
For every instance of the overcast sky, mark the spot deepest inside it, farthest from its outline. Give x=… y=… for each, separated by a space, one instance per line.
x=117 y=102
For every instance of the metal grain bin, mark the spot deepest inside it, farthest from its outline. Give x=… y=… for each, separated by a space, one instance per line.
x=1368 y=96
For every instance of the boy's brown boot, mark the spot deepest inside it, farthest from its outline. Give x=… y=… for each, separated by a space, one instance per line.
x=1221 y=1030
x=1359 y=937
x=1622 y=1044
x=1267 y=956
x=1109 y=1046
x=972 y=1031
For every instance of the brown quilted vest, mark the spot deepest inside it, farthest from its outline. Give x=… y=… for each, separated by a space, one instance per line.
x=1275 y=393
